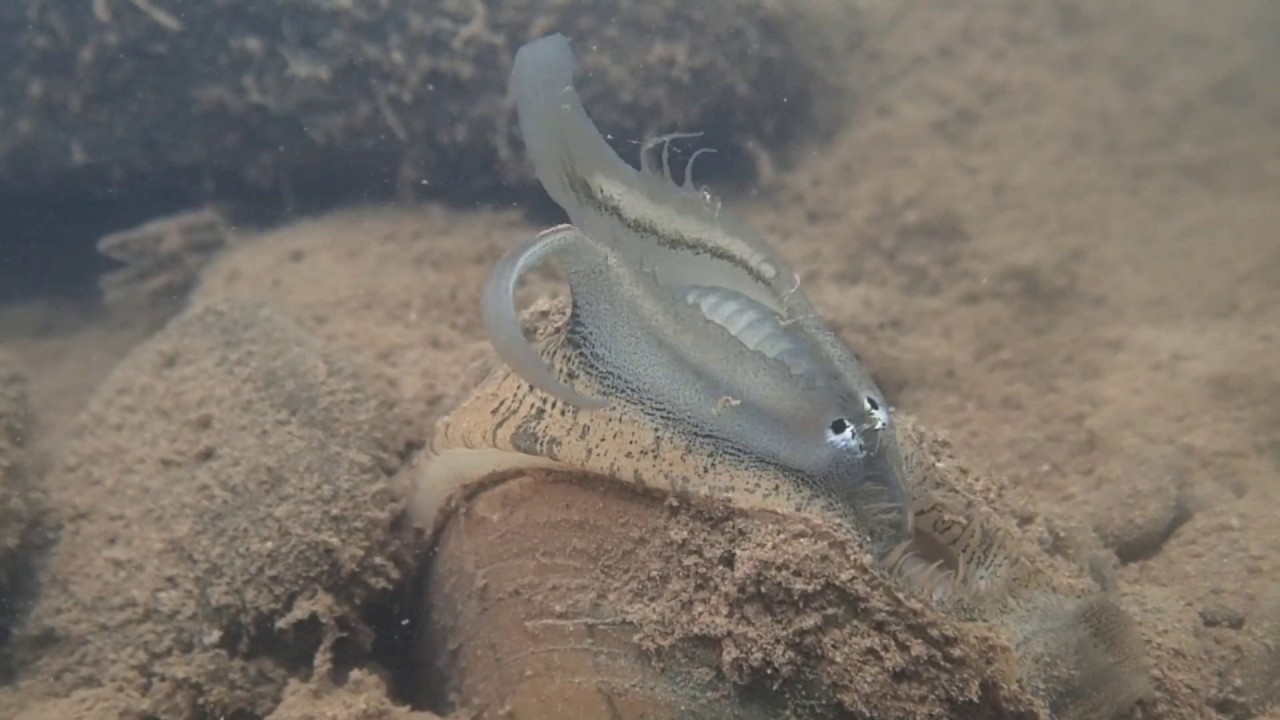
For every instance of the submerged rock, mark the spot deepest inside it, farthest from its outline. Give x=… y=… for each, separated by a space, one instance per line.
x=225 y=506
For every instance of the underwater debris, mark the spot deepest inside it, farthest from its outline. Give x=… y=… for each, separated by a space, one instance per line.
x=163 y=259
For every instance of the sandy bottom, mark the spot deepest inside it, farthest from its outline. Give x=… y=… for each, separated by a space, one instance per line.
x=1050 y=230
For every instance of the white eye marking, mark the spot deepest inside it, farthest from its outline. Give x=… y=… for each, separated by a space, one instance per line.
x=879 y=412
x=843 y=435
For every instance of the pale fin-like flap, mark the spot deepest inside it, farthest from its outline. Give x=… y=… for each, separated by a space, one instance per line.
x=754 y=325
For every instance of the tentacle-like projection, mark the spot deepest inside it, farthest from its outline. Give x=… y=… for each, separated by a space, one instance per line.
x=499 y=308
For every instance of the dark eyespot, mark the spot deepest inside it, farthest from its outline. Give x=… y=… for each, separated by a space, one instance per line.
x=871 y=403
x=839 y=426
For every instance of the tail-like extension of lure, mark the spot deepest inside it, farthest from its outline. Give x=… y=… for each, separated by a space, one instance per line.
x=499 y=310
x=643 y=215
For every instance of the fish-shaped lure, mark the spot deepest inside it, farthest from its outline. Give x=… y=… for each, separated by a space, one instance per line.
x=691 y=357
